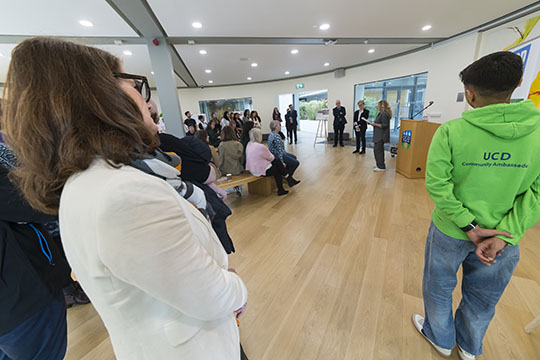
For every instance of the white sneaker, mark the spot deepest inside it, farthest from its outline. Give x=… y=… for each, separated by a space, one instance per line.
x=418 y=321
x=376 y=169
x=463 y=355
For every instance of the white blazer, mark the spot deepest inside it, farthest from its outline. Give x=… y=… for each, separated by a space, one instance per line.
x=152 y=266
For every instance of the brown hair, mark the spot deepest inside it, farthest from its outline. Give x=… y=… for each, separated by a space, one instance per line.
x=63 y=109
x=227 y=133
x=201 y=135
x=383 y=106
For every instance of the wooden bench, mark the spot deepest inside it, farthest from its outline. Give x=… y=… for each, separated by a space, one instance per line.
x=260 y=185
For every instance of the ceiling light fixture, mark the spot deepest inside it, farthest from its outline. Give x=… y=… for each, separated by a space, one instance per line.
x=326 y=64
x=287 y=73
x=208 y=71
x=86 y=23
x=128 y=53
x=196 y=25
x=294 y=51
x=249 y=78
x=151 y=72
x=324 y=27
x=210 y=81
x=254 y=65
x=371 y=51
x=426 y=28
x=203 y=52
x=1 y=55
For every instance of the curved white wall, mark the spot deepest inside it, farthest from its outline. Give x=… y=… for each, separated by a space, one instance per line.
x=443 y=64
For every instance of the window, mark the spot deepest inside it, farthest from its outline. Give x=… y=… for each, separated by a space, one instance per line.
x=405 y=96
x=220 y=106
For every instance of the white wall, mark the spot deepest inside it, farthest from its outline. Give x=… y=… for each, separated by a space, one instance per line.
x=443 y=64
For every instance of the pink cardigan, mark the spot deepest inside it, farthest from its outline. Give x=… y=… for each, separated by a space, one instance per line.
x=258 y=158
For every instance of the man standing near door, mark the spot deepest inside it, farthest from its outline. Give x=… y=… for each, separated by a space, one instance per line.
x=291 y=122
x=339 y=123
x=359 y=122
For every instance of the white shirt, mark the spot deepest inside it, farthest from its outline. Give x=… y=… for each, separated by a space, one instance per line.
x=152 y=266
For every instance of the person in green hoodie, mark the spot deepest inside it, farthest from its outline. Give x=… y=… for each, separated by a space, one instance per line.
x=483 y=174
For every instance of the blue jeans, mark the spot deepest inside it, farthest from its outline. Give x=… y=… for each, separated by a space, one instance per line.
x=482 y=287
x=292 y=163
x=42 y=336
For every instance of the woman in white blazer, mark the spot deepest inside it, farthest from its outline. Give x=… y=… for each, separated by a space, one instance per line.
x=149 y=261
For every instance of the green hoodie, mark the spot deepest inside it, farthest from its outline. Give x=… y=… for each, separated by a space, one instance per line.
x=485 y=166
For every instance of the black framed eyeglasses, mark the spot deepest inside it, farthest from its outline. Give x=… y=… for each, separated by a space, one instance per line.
x=141 y=84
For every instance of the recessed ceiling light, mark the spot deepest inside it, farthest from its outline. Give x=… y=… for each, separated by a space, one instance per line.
x=254 y=65
x=371 y=51
x=210 y=81
x=287 y=73
x=326 y=64
x=196 y=25
x=128 y=53
x=86 y=23
x=324 y=27
x=249 y=78
x=208 y=71
x=203 y=52
x=426 y=28
x=1 y=55
x=294 y=51
x=151 y=72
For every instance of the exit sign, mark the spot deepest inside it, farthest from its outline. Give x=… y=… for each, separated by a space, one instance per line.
x=300 y=86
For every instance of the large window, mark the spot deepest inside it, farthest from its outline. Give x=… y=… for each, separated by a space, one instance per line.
x=405 y=95
x=220 y=106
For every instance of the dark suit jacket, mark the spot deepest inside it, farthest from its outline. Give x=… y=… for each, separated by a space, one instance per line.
x=291 y=115
x=339 y=116
x=357 y=119
x=382 y=134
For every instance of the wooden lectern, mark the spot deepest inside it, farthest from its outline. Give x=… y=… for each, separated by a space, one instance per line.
x=413 y=145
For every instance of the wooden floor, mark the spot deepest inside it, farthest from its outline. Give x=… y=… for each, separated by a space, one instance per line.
x=334 y=270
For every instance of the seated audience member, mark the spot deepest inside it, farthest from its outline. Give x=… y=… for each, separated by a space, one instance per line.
x=226 y=121
x=203 y=136
x=213 y=134
x=261 y=162
x=195 y=155
x=139 y=249
x=152 y=107
x=231 y=153
x=190 y=124
x=277 y=148
x=33 y=272
x=248 y=125
x=214 y=169
x=255 y=118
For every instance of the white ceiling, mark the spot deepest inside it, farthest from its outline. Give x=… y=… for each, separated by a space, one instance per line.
x=138 y=63
x=347 y=18
x=252 y=18
x=61 y=18
x=274 y=60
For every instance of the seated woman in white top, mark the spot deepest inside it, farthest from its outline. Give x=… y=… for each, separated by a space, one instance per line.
x=261 y=162
x=149 y=261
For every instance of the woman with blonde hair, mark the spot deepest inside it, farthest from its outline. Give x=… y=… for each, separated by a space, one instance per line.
x=381 y=133
x=149 y=261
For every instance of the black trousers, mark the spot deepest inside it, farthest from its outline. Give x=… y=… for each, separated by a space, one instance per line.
x=278 y=171
x=338 y=132
x=291 y=130
x=360 y=137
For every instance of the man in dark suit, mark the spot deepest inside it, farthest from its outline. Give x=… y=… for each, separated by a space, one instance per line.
x=360 y=126
x=291 y=121
x=339 y=123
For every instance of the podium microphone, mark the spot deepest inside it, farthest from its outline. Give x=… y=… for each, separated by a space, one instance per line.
x=428 y=105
